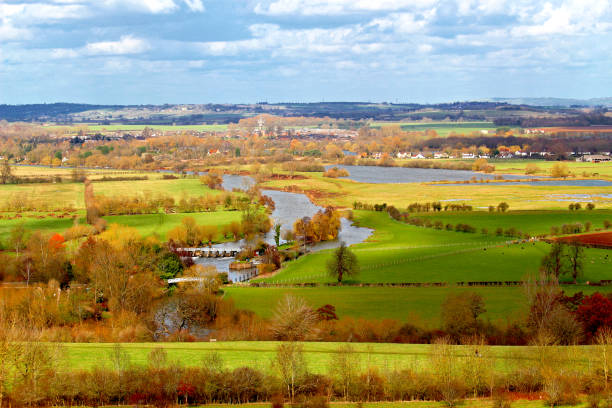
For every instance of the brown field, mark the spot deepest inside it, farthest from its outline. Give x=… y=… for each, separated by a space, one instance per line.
x=596 y=239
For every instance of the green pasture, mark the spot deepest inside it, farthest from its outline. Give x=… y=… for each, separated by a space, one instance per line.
x=318 y=355
x=160 y=224
x=580 y=169
x=533 y=222
x=421 y=306
x=146 y=224
x=399 y=252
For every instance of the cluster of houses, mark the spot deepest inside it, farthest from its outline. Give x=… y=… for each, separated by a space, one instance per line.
x=504 y=154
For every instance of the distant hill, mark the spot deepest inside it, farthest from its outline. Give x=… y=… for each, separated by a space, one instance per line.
x=44 y=111
x=502 y=111
x=562 y=102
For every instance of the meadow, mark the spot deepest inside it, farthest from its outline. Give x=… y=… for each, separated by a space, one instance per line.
x=601 y=170
x=145 y=224
x=417 y=305
x=69 y=194
x=398 y=252
x=317 y=355
x=59 y=196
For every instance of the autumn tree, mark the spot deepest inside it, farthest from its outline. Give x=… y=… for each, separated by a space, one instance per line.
x=48 y=256
x=595 y=313
x=91 y=207
x=6 y=174
x=531 y=168
x=343 y=263
x=18 y=237
x=461 y=314
x=559 y=170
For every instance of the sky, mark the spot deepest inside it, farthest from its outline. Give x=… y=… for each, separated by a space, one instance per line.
x=245 y=51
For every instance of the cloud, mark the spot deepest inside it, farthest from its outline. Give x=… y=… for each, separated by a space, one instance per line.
x=152 y=6
x=36 y=13
x=127 y=44
x=329 y=7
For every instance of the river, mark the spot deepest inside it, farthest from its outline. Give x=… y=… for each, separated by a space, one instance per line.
x=289 y=207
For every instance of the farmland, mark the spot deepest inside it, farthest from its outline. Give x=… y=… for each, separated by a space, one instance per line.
x=342 y=192
x=403 y=253
x=318 y=355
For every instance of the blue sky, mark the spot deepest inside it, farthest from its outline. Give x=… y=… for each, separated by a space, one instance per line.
x=199 y=51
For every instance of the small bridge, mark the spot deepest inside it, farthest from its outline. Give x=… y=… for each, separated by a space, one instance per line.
x=179 y=280
x=208 y=252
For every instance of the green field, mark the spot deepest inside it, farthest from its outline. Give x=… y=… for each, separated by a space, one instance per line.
x=416 y=305
x=398 y=252
x=594 y=170
x=146 y=224
x=533 y=222
x=260 y=354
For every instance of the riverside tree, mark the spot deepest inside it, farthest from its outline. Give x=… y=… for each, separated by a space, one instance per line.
x=343 y=263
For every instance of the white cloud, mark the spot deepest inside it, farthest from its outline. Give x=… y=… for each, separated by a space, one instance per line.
x=195 y=5
x=150 y=6
x=127 y=44
x=8 y=32
x=36 y=13
x=567 y=18
x=328 y=7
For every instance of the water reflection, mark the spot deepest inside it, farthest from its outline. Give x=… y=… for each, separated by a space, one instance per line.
x=394 y=175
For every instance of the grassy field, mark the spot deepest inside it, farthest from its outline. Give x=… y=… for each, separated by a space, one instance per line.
x=160 y=224
x=146 y=224
x=60 y=195
x=341 y=192
x=596 y=170
x=398 y=252
x=317 y=355
x=415 y=305
x=533 y=222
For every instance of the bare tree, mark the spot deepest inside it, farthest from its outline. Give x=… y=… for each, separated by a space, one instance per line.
x=542 y=294
x=575 y=257
x=291 y=366
x=604 y=346
x=293 y=319
x=445 y=365
x=344 y=367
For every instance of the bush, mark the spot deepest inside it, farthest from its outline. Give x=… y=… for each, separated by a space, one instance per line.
x=501 y=400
